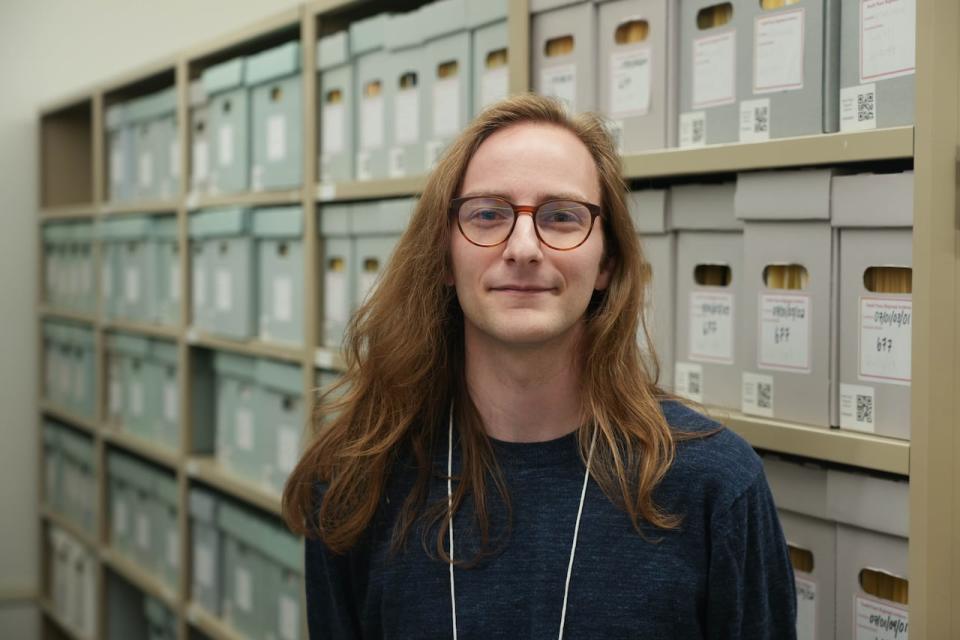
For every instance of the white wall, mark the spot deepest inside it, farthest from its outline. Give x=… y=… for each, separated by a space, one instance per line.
x=48 y=50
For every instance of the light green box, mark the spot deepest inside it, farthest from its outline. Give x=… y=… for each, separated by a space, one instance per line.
x=85 y=296
x=53 y=466
x=229 y=120
x=336 y=105
x=281 y=408
x=285 y=574
x=153 y=119
x=164 y=391
x=121 y=501
x=200 y=151
x=121 y=164
x=406 y=113
x=245 y=578
x=143 y=478
x=83 y=395
x=237 y=437
x=279 y=236
x=52 y=362
x=338 y=271
x=138 y=403
x=145 y=178
x=206 y=566
x=78 y=488
x=447 y=85
x=128 y=257
x=165 y=278
x=276 y=95
x=376 y=228
x=54 y=263
x=166 y=551
x=369 y=97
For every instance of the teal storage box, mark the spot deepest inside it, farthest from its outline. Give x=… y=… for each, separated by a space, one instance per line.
x=491 y=76
x=83 y=397
x=146 y=534
x=115 y=360
x=52 y=466
x=207 y=569
x=236 y=429
x=51 y=362
x=138 y=403
x=406 y=112
x=110 y=252
x=127 y=254
x=279 y=237
x=165 y=280
x=273 y=77
x=229 y=119
x=336 y=96
x=224 y=283
x=161 y=622
x=199 y=139
x=121 y=501
x=153 y=118
x=280 y=404
x=447 y=82
x=84 y=296
x=162 y=385
x=146 y=183
x=121 y=165
x=338 y=271
x=563 y=52
x=285 y=574
x=78 y=479
x=54 y=263
x=68 y=266
x=370 y=63
x=377 y=228
x=167 y=541
x=246 y=588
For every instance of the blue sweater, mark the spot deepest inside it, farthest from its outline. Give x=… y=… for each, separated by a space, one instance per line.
x=724 y=573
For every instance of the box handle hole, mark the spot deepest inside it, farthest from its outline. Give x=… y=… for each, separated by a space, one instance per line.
x=714 y=16
x=713 y=275
x=496 y=59
x=888 y=280
x=371 y=265
x=559 y=46
x=768 y=5
x=334 y=96
x=785 y=276
x=408 y=80
x=372 y=89
x=276 y=94
x=631 y=32
x=337 y=265
x=282 y=249
x=885 y=585
x=800 y=558
x=448 y=69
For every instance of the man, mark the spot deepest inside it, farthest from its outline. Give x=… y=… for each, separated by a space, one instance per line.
x=495 y=375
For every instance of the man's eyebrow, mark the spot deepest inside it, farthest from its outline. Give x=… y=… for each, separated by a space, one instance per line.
x=539 y=197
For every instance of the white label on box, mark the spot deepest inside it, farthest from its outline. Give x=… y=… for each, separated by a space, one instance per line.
x=170 y=401
x=243 y=426
x=858 y=108
x=276 y=138
x=335 y=296
x=201 y=160
x=283 y=299
x=145 y=170
x=173 y=548
x=199 y=287
x=395 y=162
x=784 y=332
x=857 y=408
x=711 y=327
x=223 y=291
x=371 y=123
x=757 y=394
x=114 y=397
x=363 y=166
x=225 y=145
x=778 y=51
x=131 y=286
x=365 y=284
x=143 y=531
x=174 y=158
x=494 y=86
x=693 y=129
x=288 y=447
x=714 y=70
x=327 y=192
x=888 y=38
x=203 y=565
x=630 y=82
x=256 y=178
x=243 y=589
x=116 y=163
x=876 y=620
x=332 y=131
x=561 y=82
x=136 y=399
x=406 y=116
x=885 y=339
x=446 y=107
x=121 y=519
x=755 y=120
x=174 y=282
x=688 y=380
x=289 y=618
x=806 y=608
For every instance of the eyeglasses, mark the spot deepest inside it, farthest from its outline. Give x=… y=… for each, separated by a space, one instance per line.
x=487 y=221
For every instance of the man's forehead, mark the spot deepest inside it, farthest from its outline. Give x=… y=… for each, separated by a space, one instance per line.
x=539 y=196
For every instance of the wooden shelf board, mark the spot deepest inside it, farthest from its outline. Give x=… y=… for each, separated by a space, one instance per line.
x=822 y=149
x=259 y=199
x=254 y=348
x=832 y=445
x=214 y=627
x=46 y=607
x=69 y=212
x=69 y=526
x=206 y=469
x=144 y=448
x=64 y=415
x=143 y=328
x=370 y=189
x=45 y=312
x=139 y=577
x=145 y=207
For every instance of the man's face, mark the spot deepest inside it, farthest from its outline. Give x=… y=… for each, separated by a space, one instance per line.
x=523 y=293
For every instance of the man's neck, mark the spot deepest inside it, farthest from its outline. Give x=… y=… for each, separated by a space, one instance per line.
x=529 y=394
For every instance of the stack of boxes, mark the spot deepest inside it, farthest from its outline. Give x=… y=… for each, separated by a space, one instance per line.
x=273 y=79
x=69 y=266
x=228 y=127
x=73 y=581
x=69 y=367
x=563 y=51
x=70 y=485
x=144 y=156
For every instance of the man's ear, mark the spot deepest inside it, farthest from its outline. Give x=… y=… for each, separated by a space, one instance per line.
x=606 y=272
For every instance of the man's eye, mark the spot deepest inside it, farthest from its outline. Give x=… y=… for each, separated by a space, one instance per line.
x=488 y=215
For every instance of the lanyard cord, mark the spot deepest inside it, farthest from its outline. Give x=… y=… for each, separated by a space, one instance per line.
x=576 y=530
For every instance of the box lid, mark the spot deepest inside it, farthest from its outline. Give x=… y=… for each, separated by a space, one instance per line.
x=873 y=200
x=166 y=489
x=165 y=227
x=800 y=487
x=152 y=106
x=54 y=233
x=132 y=228
x=442 y=17
x=383 y=217
x=196 y=95
x=280 y=376
x=333 y=50
x=164 y=351
x=539 y=6
x=203 y=505
x=286 y=549
x=648 y=209
x=368 y=34
x=224 y=76
x=228 y=221
x=483 y=12
x=128 y=344
x=404 y=30
x=154 y=610
x=870 y=502
x=271 y=64
x=115 y=116
x=334 y=220
x=784 y=195
x=234 y=365
x=82 y=232
x=278 y=222
x=707 y=207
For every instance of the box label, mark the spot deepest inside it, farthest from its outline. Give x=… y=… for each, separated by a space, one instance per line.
x=363 y=166
x=223 y=290
x=288 y=448
x=225 y=145
x=332 y=128
x=406 y=116
x=276 y=138
x=806 y=607
x=630 y=81
x=446 y=107
x=199 y=287
x=755 y=120
x=174 y=286
x=143 y=531
x=688 y=380
x=714 y=70
x=494 y=86
x=121 y=519
x=243 y=589
x=371 y=124
x=778 y=51
x=116 y=163
x=243 y=428
x=560 y=82
x=858 y=108
x=203 y=565
x=136 y=399
x=131 y=285
x=145 y=173
x=885 y=345
x=201 y=160
x=170 y=401
x=757 y=394
x=693 y=129
x=335 y=297
x=711 y=327
x=282 y=299
x=876 y=620
x=173 y=549
x=395 y=160
x=289 y=618
x=615 y=129
x=857 y=408
x=888 y=39
x=784 y=332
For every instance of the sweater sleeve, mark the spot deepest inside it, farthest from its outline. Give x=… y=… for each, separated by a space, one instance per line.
x=751 y=585
x=331 y=603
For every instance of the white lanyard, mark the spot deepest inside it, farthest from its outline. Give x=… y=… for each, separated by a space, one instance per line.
x=576 y=530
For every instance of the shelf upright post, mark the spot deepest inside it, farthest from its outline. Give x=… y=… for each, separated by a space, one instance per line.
x=311 y=243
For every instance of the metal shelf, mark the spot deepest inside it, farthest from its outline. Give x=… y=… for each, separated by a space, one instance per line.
x=143 y=328
x=139 y=208
x=254 y=348
x=69 y=212
x=54 y=518
x=141 y=447
x=64 y=415
x=139 y=577
x=46 y=607
x=832 y=445
x=803 y=151
x=209 y=472
x=259 y=199
x=66 y=314
x=212 y=626
x=370 y=189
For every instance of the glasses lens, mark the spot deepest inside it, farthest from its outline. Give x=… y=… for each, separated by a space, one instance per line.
x=486 y=221
x=563 y=224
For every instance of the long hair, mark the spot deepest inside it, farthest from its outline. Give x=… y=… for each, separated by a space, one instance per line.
x=404 y=354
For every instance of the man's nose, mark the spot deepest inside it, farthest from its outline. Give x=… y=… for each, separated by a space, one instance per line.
x=523 y=245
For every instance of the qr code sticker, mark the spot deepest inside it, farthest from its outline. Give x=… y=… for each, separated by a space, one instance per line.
x=693 y=383
x=864 y=409
x=761 y=119
x=764 y=395
x=866 y=106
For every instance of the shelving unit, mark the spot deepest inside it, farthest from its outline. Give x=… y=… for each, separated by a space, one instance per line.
x=929 y=459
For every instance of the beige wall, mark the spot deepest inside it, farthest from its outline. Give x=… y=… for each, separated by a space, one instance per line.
x=48 y=50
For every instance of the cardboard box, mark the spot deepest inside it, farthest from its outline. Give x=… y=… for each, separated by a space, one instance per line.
x=338 y=270
x=155 y=145
x=370 y=63
x=280 y=404
x=138 y=412
x=127 y=261
x=790 y=300
x=488 y=22
x=406 y=112
x=200 y=136
x=813 y=539
x=337 y=96
x=121 y=164
x=279 y=238
x=167 y=539
x=274 y=79
x=165 y=271
x=238 y=435
x=447 y=84
x=246 y=583
x=377 y=227
x=285 y=574
x=206 y=567
x=791 y=85
x=877 y=63
x=637 y=68
x=162 y=384
x=230 y=126
x=563 y=53
x=875 y=216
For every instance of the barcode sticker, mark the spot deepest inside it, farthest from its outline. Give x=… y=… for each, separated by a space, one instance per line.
x=243 y=426
x=289 y=618
x=857 y=408
x=395 y=162
x=755 y=120
x=757 y=394
x=688 y=380
x=693 y=129
x=858 y=108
